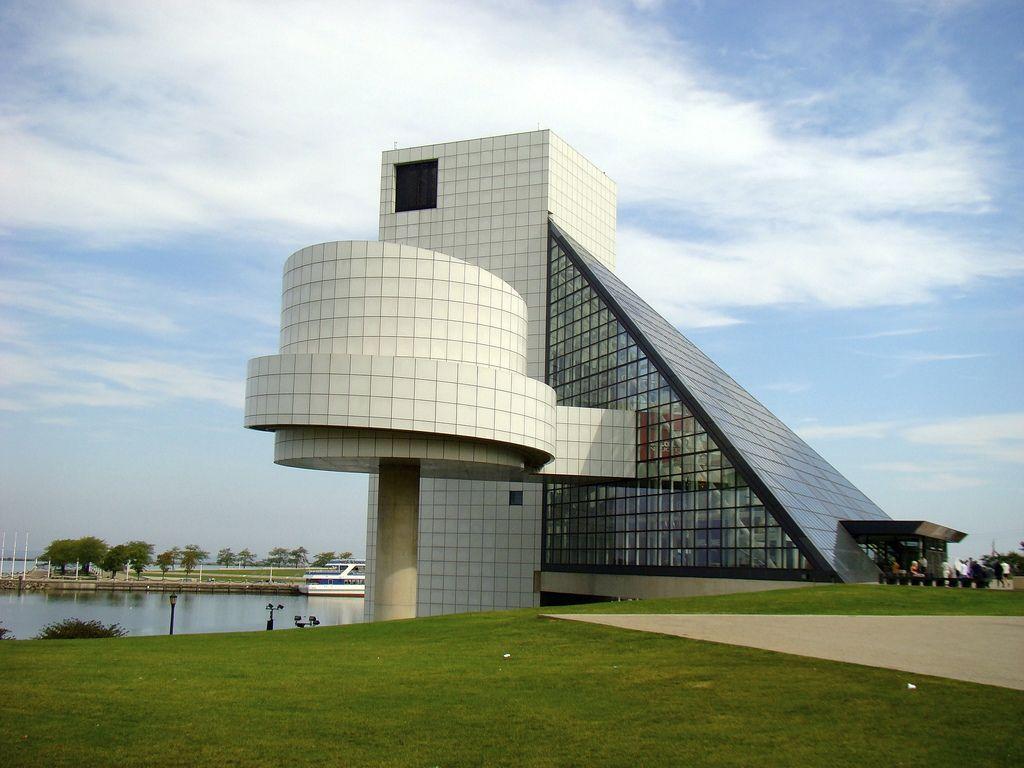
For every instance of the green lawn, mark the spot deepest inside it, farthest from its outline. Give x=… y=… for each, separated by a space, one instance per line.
x=437 y=692
x=844 y=599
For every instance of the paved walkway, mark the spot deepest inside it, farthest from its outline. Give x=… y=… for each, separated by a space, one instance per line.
x=979 y=649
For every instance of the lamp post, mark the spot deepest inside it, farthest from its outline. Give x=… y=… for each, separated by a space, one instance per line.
x=271 y=607
x=174 y=601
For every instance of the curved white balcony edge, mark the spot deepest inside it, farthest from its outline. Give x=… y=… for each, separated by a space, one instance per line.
x=420 y=396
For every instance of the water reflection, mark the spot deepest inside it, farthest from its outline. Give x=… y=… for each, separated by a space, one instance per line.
x=148 y=613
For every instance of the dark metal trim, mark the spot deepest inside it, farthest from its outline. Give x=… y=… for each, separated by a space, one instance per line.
x=698 y=571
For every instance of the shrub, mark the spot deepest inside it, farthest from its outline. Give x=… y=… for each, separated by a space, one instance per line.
x=77 y=629
x=5 y=634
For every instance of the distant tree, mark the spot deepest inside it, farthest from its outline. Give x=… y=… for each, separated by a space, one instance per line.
x=165 y=561
x=1015 y=560
x=140 y=555
x=5 y=634
x=77 y=629
x=322 y=558
x=246 y=558
x=114 y=559
x=298 y=557
x=278 y=557
x=89 y=550
x=60 y=553
x=192 y=556
x=175 y=555
x=344 y=555
x=226 y=557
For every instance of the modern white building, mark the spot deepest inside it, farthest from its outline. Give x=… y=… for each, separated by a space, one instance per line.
x=531 y=428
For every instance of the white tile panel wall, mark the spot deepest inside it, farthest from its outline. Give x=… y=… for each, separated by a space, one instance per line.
x=594 y=442
x=582 y=200
x=433 y=397
x=494 y=195
x=373 y=298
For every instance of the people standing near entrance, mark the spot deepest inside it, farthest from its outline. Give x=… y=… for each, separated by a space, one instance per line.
x=923 y=563
x=962 y=570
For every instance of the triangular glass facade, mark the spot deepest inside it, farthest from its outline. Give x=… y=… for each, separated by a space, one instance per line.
x=723 y=487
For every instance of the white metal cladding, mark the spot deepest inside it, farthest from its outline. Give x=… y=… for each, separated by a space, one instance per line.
x=494 y=198
x=361 y=450
x=436 y=397
x=593 y=442
x=386 y=299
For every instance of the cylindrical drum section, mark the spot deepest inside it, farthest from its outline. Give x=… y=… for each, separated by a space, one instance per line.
x=390 y=300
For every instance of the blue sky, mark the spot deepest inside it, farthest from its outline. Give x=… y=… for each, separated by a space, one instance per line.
x=825 y=196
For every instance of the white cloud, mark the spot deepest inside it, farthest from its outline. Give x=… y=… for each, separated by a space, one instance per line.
x=939 y=357
x=993 y=437
x=108 y=379
x=867 y=430
x=195 y=117
x=996 y=437
x=934 y=476
x=892 y=332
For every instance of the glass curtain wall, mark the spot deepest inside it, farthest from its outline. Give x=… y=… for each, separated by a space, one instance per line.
x=689 y=507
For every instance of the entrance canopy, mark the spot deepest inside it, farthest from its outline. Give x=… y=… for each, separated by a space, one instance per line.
x=922 y=528
x=896 y=545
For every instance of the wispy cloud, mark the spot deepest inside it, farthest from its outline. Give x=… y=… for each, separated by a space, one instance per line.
x=155 y=122
x=938 y=357
x=914 y=357
x=894 y=332
x=108 y=379
x=789 y=387
x=871 y=430
x=993 y=437
x=997 y=437
x=935 y=477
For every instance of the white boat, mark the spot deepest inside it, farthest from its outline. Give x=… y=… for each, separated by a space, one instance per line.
x=344 y=578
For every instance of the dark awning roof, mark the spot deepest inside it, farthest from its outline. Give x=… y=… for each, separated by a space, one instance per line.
x=902 y=528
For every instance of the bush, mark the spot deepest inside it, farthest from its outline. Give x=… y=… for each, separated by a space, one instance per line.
x=76 y=629
x=5 y=634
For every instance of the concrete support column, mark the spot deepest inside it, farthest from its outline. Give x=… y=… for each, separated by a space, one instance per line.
x=398 y=513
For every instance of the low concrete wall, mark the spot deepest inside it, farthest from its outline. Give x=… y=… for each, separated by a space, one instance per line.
x=612 y=585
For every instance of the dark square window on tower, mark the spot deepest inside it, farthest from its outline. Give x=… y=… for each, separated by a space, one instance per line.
x=515 y=498
x=416 y=186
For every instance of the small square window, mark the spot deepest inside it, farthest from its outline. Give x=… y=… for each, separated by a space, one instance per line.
x=416 y=186
x=515 y=498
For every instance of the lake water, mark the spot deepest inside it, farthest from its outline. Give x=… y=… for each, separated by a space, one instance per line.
x=149 y=613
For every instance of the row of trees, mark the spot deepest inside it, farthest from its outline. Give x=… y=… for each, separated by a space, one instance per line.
x=279 y=557
x=138 y=555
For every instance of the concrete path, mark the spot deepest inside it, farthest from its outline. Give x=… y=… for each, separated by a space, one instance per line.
x=979 y=649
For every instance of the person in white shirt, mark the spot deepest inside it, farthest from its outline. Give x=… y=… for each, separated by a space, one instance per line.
x=1006 y=574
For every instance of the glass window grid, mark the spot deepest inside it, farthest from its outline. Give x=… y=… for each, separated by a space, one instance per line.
x=689 y=506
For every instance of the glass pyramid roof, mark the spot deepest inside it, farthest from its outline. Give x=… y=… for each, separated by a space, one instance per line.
x=789 y=475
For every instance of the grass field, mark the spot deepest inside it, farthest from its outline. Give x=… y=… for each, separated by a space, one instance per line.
x=438 y=692
x=857 y=599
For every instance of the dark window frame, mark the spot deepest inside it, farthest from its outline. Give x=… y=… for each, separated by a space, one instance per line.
x=416 y=186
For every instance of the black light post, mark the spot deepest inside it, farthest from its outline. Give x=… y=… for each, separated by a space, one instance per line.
x=272 y=608
x=174 y=601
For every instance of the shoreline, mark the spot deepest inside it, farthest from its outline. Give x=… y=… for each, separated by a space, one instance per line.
x=29 y=584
